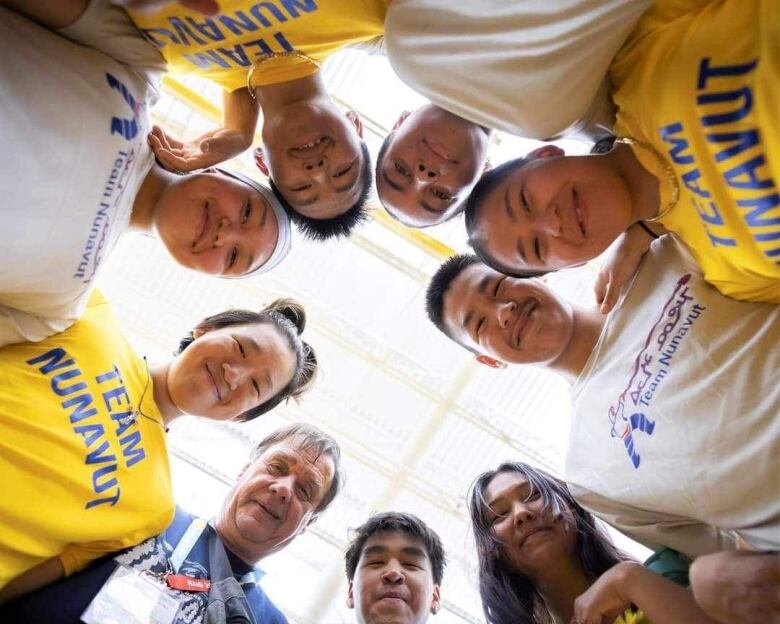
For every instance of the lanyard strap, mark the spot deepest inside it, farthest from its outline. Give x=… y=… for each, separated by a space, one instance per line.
x=187 y=541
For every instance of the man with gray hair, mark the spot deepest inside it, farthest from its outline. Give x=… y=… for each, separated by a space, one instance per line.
x=292 y=476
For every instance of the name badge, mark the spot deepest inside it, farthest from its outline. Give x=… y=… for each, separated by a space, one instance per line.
x=128 y=597
x=187 y=583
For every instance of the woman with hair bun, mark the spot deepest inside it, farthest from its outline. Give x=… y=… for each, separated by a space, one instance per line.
x=544 y=560
x=83 y=458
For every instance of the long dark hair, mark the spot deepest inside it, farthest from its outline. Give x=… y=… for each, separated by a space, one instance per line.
x=290 y=318
x=509 y=597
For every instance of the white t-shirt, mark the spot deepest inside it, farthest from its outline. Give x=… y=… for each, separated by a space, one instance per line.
x=534 y=68
x=74 y=124
x=675 y=436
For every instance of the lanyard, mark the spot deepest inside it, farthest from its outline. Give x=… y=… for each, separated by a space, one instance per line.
x=188 y=541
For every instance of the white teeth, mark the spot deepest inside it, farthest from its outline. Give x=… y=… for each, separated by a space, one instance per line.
x=311 y=144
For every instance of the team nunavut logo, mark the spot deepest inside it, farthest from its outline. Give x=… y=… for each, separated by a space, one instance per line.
x=128 y=128
x=651 y=367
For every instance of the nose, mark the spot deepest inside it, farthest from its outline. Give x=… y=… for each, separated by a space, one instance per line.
x=522 y=513
x=233 y=375
x=505 y=312
x=425 y=173
x=393 y=574
x=317 y=168
x=549 y=222
x=224 y=231
x=282 y=487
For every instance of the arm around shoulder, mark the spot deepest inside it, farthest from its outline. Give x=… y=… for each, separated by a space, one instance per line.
x=41 y=575
x=54 y=15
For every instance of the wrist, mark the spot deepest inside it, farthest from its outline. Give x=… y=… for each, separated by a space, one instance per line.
x=629 y=574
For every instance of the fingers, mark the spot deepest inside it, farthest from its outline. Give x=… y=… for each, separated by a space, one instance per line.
x=609 y=299
x=600 y=287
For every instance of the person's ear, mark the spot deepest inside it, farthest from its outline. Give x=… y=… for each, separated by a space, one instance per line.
x=350 y=597
x=200 y=330
x=356 y=121
x=436 y=600
x=242 y=472
x=260 y=161
x=489 y=361
x=401 y=118
x=546 y=151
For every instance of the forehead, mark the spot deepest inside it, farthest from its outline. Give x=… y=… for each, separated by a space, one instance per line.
x=503 y=483
x=394 y=542
x=468 y=288
x=304 y=461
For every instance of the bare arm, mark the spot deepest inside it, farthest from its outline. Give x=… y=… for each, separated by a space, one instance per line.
x=54 y=15
x=239 y=113
x=629 y=583
x=41 y=575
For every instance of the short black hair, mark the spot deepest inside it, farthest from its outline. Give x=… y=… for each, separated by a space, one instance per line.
x=396 y=522
x=320 y=230
x=377 y=172
x=313 y=438
x=440 y=284
x=486 y=184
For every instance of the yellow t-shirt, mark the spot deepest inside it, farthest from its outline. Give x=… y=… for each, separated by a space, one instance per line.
x=222 y=48
x=632 y=617
x=79 y=475
x=699 y=82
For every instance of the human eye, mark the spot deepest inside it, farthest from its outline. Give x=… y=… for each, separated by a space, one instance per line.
x=538 y=249
x=246 y=212
x=496 y=518
x=303 y=493
x=413 y=564
x=480 y=325
x=275 y=468
x=344 y=171
x=232 y=257
x=401 y=169
x=256 y=386
x=240 y=347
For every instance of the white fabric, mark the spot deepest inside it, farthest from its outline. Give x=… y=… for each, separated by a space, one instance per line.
x=74 y=124
x=534 y=68
x=689 y=379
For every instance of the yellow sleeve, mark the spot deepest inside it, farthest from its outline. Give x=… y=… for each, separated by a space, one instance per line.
x=632 y=617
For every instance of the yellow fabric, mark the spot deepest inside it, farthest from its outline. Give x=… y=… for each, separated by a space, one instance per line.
x=221 y=48
x=632 y=617
x=720 y=133
x=74 y=481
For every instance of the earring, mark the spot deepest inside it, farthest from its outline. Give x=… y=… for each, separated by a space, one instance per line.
x=435 y=609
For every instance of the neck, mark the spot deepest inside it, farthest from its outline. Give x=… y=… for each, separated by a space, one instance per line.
x=559 y=586
x=162 y=396
x=156 y=182
x=274 y=98
x=587 y=327
x=642 y=185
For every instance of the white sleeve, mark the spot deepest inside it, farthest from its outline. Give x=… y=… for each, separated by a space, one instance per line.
x=375 y=46
x=657 y=530
x=109 y=29
x=18 y=326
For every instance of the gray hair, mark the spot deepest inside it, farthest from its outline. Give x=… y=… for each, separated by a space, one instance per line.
x=308 y=437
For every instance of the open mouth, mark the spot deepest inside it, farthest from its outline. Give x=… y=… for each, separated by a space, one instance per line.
x=439 y=151
x=579 y=210
x=523 y=321
x=311 y=148
x=214 y=383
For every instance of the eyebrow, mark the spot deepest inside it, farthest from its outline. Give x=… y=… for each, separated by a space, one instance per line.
x=379 y=549
x=508 y=204
x=311 y=474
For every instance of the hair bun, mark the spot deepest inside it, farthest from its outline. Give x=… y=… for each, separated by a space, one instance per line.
x=291 y=310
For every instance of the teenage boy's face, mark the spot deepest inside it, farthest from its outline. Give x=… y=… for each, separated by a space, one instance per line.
x=432 y=161
x=393 y=581
x=553 y=212
x=313 y=154
x=517 y=321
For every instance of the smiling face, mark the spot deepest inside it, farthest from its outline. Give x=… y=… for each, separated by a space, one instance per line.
x=430 y=164
x=393 y=581
x=215 y=224
x=274 y=499
x=552 y=212
x=312 y=152
x=518 y=321
x=531 y=537
x=227 y=371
